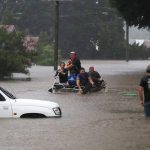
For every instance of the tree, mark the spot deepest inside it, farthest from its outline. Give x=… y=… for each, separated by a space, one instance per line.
x=32 y=16
x=45 y=54
x=13 y=55
x=139 y=52
x=135 y=12
x=83 y=25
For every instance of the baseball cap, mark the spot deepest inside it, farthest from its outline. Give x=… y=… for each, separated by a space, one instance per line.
x=72 y=52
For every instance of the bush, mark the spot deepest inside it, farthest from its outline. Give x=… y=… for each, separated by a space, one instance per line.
x=138 y=52
x=45 y=54
x=13 y=55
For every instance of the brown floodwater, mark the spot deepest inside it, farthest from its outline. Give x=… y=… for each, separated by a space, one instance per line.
x=95 y=121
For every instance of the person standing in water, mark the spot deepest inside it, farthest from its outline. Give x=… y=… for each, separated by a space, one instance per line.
x=144 y=92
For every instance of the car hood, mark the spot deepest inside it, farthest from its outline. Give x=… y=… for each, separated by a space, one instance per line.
x=34 y=102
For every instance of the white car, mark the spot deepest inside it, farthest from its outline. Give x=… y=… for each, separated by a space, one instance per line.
x=11 y=107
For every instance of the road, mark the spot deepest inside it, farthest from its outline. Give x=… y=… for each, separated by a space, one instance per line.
x=96 y=121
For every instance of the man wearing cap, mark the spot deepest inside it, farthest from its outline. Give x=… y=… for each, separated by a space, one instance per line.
x=144 y=92
x=75 y=65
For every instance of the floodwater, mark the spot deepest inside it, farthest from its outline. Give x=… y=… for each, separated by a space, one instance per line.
x=96 y=121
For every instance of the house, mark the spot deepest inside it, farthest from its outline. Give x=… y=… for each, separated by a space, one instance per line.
x=140 y=42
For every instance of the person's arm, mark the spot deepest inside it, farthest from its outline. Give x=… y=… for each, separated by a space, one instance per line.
x=56 y=74
x=62 y=72
x=90 y=80
x=97 y=76
x=69 y=66
x=73 y=64
x=78 y=84
x=141 y=94
x=65 y=71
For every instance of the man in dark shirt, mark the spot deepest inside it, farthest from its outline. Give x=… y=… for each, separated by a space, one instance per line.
x=97 y=79
x=95 y=76
x=83 y=80
x=62 y=73
x=75 y=65
x=144 y=92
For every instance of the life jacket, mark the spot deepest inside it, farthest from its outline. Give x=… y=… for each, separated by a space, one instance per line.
x=72 y=80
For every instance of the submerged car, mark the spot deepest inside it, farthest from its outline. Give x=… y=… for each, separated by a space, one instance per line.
x=12 y=107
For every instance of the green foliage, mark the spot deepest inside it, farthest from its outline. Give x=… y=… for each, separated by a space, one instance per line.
x=88 y=23
x=138 y=52
x=10 y=62
x=135 y=12
x=7 y=17
x=33 y=16
x=112 y=45
x=45 y=54
x=11 y=41
x=13 y=56
x=82 y=24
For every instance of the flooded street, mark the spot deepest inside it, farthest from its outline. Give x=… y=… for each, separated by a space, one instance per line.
x=96 y=121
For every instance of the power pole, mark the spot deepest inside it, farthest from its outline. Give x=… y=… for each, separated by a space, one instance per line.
x=57 y=3
x=127 y=42
x=56 y=35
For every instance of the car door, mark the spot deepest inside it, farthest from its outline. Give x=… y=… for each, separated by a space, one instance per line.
x=5 y=107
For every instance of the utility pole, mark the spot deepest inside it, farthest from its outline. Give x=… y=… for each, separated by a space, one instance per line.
x=127 y=42
x=57 y=3
x=56 y=35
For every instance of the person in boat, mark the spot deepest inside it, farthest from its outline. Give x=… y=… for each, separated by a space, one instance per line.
x=73 y=64
x=69 y=62
x=95 y=76
x=84 y=80
x=62 y=72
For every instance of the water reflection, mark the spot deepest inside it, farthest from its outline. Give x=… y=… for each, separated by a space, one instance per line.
x=97 y=121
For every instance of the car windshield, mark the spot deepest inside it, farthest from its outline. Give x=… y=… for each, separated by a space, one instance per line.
x=7 y=93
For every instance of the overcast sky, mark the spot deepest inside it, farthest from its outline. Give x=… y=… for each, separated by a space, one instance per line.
x=139 y=34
